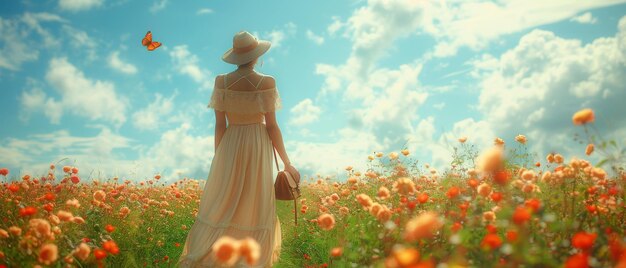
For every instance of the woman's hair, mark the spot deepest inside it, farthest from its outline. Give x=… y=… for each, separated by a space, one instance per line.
x=247 y=64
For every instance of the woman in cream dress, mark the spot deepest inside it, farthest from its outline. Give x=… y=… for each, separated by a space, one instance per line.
x=238 y=198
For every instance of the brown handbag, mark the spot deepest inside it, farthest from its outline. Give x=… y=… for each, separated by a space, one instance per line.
x=286 y=187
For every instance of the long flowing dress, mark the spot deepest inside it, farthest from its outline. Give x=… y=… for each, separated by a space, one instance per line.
x=238 y=198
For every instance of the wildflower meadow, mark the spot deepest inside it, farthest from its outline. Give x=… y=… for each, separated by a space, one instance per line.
x=492 y=207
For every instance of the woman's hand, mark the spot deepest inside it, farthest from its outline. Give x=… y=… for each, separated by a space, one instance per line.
x=293 y=171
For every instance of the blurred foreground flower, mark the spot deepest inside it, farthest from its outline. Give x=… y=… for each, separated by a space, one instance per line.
x=583 y=116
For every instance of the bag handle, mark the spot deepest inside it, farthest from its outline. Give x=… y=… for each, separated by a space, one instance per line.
x=275 y=159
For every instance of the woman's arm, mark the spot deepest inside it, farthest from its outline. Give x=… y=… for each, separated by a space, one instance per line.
x=276 y=136
x=220 y=127
x=220 y=116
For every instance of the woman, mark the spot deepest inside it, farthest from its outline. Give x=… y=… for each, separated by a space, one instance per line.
x=238 y=199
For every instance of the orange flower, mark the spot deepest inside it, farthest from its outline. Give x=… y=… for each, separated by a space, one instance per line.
x=558 y=159
x=501 y=177
x=520 y=138
x=453 y=192
x=48 y=254
x=583 y=240
x=326 y=221
x=472 y=183
x=521 y=215
x=580 y=260
x=511 y=236
x=589 y=149
x=404 y=186
x=336 y=252
x=14 y=187
x=111 y=247
x=65 y=215
x=4 y=233
x=344 y=210
x=491 y=241
x=406 y=257
x=41 y=226
x=405 y=152
x=393 y=155
x=82 y=251
x=99 y=195
x=533 y=204
x=498 y=142
x=109 y=228
x=67 y=169
x=422 y=198
x=383 y=192
x=4 y=171
x=422 y=226
x=491 y=160
x=99 y=254
x=75 y=179
x=72 y=203
x=28 y=211
x=250 y=250
x=49 y=196
x=226 y=250
x=489 y=216
x=583 y=116
x=462 y=139
x=384 y=214
x=364 y=200
x=78 y=220
x=484 y=189
x=16 y=231
x=496 y=197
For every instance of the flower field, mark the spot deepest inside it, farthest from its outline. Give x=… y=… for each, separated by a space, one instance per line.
x=501 y=207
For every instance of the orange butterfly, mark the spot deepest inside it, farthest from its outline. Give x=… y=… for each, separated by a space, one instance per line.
x=147 y=42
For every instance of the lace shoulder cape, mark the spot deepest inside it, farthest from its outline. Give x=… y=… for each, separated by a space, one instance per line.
x=245 y=102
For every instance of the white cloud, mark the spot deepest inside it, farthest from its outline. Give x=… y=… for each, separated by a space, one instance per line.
x=304 y=113
x=177 y=153
x=334 y=26
x=277 y=36
x=187 y=63
x=315 y=38
x=585 y=18
x=535 y=87
x=81 y=96
x=80 y=39
x=351 y=148
x=17 y=44
x=374 y=28
x=46 y=148
x=117 y=64
x=203 y=11
x=158 y=5
x=35 y=99
x=439 y=105
x=456 y=24
x=152 y=116
x=79 y=5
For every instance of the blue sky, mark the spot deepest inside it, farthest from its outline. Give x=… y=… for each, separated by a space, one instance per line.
x=355 y=77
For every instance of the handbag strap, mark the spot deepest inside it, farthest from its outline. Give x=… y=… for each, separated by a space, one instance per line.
x=295 y=205
x=275 y=159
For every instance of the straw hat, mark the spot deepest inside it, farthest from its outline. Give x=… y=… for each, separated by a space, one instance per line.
x=246 y=47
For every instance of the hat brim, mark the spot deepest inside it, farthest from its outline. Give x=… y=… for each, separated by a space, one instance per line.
x=244 y=58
